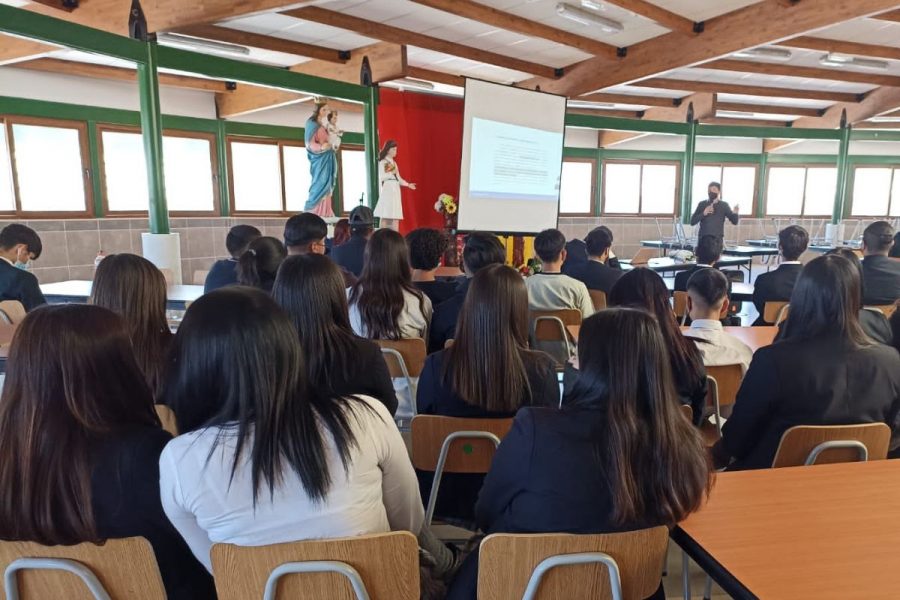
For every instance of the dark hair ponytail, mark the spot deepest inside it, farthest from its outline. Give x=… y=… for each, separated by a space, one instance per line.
x=258 y=265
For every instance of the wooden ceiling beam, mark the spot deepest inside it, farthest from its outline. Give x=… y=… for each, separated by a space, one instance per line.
x=837 y=74
x=666 y=18
x=66 y=5
x=14 y=49
x=630 y=99
x=482 y=13
x=703 y=104
x=893 y=15
x=395 y=35
x=265 y=42
x=748 y=90
x=765 y=22
x=841 y=47
x=769 y=109
x=436 y=76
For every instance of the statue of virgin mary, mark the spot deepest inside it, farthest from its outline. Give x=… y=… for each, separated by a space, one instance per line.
x=322 y=162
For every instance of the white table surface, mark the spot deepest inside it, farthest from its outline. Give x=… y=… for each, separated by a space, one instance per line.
x=78 y=288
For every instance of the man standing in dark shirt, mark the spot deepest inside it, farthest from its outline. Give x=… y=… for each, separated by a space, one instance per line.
x=711 y=214
x=18 y=245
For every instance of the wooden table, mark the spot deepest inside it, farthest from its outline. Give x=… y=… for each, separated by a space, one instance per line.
x=755 y=337
x=826 y=532
x=78 y=291
x=665 y=264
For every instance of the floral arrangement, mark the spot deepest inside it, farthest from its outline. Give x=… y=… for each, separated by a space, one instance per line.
x=446 y=204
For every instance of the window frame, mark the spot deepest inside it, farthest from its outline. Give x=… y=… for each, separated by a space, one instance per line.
x=593 y=208
x=214 y=163
x=641 y=163
x=806 y=167
x=248 y=139
x=87 y=173
x=895 y=173
x=340 y=181
x=755 y=166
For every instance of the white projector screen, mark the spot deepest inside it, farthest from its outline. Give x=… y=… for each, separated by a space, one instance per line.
x=511 y=159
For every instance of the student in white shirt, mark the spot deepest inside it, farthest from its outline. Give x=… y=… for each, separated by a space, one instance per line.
x=707 y=304
x=551 y=289
x=264 y=458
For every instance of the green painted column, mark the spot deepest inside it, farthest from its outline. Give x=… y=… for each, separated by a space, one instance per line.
x=762 y=181
x=370 y=140
x=843 y=172
x=687 y=168
x=222 y=176
x=96 y=185
x=151 y=129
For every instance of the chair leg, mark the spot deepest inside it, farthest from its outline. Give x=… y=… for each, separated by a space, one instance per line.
x=685 y=575
x=707 y=591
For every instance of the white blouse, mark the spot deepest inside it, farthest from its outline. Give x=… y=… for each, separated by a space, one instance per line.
x=377 y=494
x=413 y=321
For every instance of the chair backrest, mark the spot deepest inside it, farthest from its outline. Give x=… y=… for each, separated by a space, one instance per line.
x=728 y=381
x=125 y=568
x=412 y=350
x=545 y=329
x=13 y=310
x=507 y=563
x=199 y=277
x=387 y=564
x=799 y=442
x=465 y=455
x=688 y=412
x=598 y=298
x=887 y=309
x=643 y=256
x=775 y=312
x=679 y=304
x=167 y=418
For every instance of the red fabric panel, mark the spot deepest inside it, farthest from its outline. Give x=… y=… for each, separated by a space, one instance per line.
x=428 y=132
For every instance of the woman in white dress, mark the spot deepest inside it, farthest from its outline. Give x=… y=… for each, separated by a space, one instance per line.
x=390 y=206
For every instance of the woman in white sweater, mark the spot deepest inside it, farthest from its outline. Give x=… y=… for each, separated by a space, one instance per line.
x=265 y=459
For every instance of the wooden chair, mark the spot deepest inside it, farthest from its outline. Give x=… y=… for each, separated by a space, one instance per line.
x=887 y=309
x=598 y=298
x=12 y=312
x=548 y=332
x=688 y=412
x=775 y=312
x=679 y=306
x=617 y=566
x=199 y=277
x=123 y=569
x=723 y=384
x=405 y=360
x=167 y=418
x=825 y=444
x=380 y=566
x=643 y=256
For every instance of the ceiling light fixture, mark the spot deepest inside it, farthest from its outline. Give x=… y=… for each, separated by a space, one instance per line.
x=192 y=43
x=740 y=114
x=834 y=59
x=573 y=13
x=593 y=5
x=765 y=52
x=583 y=104
x=406 y=82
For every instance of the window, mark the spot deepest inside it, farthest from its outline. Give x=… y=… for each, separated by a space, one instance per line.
x=576 y=189
x=640 y=188
x=189 y=166
x=296 y=177
x=45 y=166
x=801 y=191
x=738 y=185
x=354 y=188
x=268 y=175
x=876 y=192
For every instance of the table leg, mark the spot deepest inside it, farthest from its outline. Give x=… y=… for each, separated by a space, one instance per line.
x=685 y=575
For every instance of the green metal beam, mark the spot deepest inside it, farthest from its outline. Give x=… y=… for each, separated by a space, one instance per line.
x=872 y=135
x=788 y=133
x=843 y=172
x=151 y=129
x=370 y=129
x=687 y=171
x=621 y=124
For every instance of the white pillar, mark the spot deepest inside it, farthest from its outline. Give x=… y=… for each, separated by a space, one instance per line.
x=164 y=251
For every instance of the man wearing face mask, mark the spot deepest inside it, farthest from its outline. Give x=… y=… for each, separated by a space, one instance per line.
x=711 y=214
x=18 y=245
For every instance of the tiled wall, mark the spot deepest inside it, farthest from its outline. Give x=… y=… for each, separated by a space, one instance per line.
x=70 y=246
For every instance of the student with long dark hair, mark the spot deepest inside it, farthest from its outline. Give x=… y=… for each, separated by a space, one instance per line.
x=824 y=370
x=645 y=289
x=80 y=442
x=384 y=303
x=264 y=458
x=134 y=288
x=872 y=320
x=258 y=265
x=618 y=456
x=224 y=272
x=310 y=288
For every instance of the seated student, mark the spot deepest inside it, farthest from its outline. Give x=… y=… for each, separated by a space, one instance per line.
x=882 y=275
x=595 y=273
x=264 y=457
x=426 y=247
x=872 y=320
x=481 y=249
x=645 y=289
x=619 y=456
x=550 y=289
x=777 y=285
x=895 y=249
x=135 y=289
x=824 y=371
x=341 y=234
x=384 y=303
x=224 y=272
x=310 y=288
x=306 y=234
x=708 y=252
x=259 y=264
x=707 y=305
x=80 y=443
x=349 y=255
x=18 y=245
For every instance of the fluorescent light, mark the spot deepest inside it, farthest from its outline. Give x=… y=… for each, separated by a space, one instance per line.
x=740 y=114
x=192 y=43
x=593 y=5
x=765 y=52
x=834 y=59
x=573 y=13
x=885 y=119
x=583 y=104
x=406 y=82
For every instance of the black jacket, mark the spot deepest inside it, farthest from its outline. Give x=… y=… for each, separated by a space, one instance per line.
x=714 y=224
x=820 y=381
x=349 y=255
x=595 y=275
x=223 y=273
x=446 y=314
x=881 y=280
x=774 y=286
x=368 y=375
x=439 y=290
x=18 y=284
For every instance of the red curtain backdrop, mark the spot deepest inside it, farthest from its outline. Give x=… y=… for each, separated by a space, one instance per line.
x=428 y=132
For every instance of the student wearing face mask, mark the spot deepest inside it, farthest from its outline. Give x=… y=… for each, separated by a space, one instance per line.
x=711 y=214
x=18 y=245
